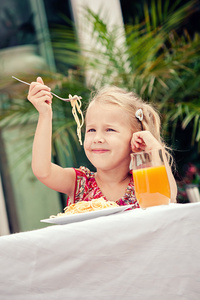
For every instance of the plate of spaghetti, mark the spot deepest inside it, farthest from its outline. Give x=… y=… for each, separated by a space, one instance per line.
x=86 y=210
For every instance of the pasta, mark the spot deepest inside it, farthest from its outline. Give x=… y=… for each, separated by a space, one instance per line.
x=76 y=107
x=86 y=206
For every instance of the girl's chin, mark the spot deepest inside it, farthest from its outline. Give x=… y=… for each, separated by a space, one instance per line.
x=101 y=165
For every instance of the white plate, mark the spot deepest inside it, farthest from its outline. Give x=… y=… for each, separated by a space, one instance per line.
x=86 y=216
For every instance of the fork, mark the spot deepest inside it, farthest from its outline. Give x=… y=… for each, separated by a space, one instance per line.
x=63 y=99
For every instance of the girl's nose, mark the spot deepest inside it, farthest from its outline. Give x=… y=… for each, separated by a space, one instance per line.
x=98 y=139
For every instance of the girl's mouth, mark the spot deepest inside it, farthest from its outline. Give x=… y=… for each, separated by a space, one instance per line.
x=99 y=151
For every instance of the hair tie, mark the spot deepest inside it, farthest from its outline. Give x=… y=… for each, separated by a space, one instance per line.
x=139 y=114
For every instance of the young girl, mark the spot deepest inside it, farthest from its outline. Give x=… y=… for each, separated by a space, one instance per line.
x=117 y=124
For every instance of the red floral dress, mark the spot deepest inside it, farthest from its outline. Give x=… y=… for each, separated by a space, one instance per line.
x=87 y=189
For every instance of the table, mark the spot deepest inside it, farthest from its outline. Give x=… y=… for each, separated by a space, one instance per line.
x=137 y=254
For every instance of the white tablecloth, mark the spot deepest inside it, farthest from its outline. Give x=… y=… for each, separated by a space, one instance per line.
x=138 y=254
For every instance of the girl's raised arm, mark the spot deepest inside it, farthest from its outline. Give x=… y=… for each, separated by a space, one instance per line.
x=53 y=176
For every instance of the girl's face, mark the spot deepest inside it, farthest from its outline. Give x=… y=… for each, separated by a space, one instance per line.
x=108 y=136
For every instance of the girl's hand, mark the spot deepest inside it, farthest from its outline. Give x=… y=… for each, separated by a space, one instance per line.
x=40 y=96
x=144 y=141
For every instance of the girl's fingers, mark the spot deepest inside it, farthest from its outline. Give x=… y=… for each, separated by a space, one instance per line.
x=41 y=98
x=39 y=79
x=42 y=103
x=144 y=140
x=37 y=92
x=137 y=142
x=137 y=147
x=35 y=87
x=45 y=99
x=42 y=93
x=38 y=85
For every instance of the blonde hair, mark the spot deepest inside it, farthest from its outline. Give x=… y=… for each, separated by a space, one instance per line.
x=131 y=102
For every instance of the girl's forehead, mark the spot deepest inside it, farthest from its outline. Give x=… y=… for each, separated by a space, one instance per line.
x=104 y=108
x=106 y=112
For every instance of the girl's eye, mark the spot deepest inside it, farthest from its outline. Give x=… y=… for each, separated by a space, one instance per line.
x=91 y=130
x=110 y=129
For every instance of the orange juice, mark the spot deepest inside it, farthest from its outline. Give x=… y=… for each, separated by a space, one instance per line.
x=152 y=186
